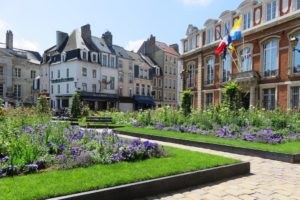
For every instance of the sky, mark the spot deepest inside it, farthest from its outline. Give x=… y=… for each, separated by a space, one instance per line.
x=34 y=22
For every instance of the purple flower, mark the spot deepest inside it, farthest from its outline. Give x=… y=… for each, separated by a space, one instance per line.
x=4 y=159
x=160 y=126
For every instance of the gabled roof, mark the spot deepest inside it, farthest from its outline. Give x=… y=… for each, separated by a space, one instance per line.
x=121 y=52
x=75 y=41
x=100 y=44
x=166 y=48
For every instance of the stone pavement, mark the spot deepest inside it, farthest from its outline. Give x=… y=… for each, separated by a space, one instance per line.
x=269 y=180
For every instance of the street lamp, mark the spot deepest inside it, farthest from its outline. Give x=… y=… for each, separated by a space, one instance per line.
x=294 y=42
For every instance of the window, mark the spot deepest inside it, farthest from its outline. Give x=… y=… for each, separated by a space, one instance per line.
x=166 y=58
x=159 y=83
x=270 y=64
x=51 y=74
x=94 y=73
x=63 y=57
x=84 y=55
x=271 y=10
x=148 y=90
x=94 y=88
x=210 y=64
x=154 y=82
x=121 y=76
x=120 y=63
x=174 y=84
x=145 y=74
x=191 y=73
x=52 y=89
x=104 y=81
x=295 y=97
x=17 y=72
x=84 y=71
x=104 y=60
x=246 y=59
x=32 y=74
x=1 y=71
x=112 y=62
x=170 y=70
x=227 y=27
x=58 y=73
x=296 y=57
x=209 y=36
x=84 y=87
x=143 y=89
x=247 y=20
x=174 y=96
x=68 y=73
x=226 y=68
x=185 y=46
x=94 y=57
x=269 y=98
x=298 y=4
x=17 y=91
x=166 y=83
x=170 y=83
x=65 y=103
x=67 y=88
x=166 y=69
x=137 y=89
x=130 y=92
x=130 y=78
x=159 y=94
x=192 y=42
x=1 y=89
x=130 y=65
x=209 y=99
x=58 y=89
x=198 y=43
x=112 y=83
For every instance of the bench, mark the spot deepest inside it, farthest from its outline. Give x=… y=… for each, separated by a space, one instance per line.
x=98 y=120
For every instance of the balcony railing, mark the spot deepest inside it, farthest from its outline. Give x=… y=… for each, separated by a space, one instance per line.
x=244 y=75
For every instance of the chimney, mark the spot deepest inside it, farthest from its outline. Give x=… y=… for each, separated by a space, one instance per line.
x=108 y=38
x=86 y=33
x=175 y=47
x=60 y=38
x=9 y=39
x=152 y=39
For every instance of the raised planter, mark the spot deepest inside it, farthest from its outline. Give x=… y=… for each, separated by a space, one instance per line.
x=291 y=158
x=163 y=185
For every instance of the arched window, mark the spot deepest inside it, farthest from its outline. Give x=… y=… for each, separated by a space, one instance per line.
x=270 y=58
x=226 y=68
x=246 y=59
x=191 y=75
x=209 y=75
x=296 y=56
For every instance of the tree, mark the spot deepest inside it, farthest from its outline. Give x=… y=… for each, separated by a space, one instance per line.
x=186 y=104
x=43 y=105
x=233 y=96
x=76 y=109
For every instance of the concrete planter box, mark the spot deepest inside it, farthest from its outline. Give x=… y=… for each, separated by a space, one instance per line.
x=162 y=185
x=290 y=158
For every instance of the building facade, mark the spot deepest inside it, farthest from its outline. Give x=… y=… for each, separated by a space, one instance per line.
x=165 y=75
x=82 y=63
x=18 y=70
x=266 y=61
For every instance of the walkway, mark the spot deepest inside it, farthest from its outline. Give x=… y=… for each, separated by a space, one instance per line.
x=269 y=180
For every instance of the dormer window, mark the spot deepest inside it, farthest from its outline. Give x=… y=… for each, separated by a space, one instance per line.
x=272 y=10
x=192 y=42
x=209 y=36
x=227 y=27
x=94 y=57
x=84 y=55
x=63 y=57
x=112 y=61
x=104 y=60
x=247 y=20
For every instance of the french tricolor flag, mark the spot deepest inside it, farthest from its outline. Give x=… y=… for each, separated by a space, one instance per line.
x=225 y=42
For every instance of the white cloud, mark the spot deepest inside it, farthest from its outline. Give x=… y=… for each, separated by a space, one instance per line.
x=134 y=45
x=196 y=2
x=19 y=41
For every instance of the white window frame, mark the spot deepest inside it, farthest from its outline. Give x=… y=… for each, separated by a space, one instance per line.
x=191 y=74
x=210 y=35
x=86 y=53
x=84 y=72
x=96 y=57
x=271 y=16
x=247 y=24
x=104 y=64
x=209 y=72
x=225 y=61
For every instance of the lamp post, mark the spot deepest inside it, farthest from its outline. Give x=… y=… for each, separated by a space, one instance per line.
x=294 y=42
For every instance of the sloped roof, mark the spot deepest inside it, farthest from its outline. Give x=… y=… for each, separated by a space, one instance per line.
x=120 y=51
x=75 y=41
x=24 y=54
x=166 y=48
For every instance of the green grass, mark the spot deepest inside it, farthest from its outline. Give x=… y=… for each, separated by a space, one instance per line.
x=288 y=148
x=62 y=182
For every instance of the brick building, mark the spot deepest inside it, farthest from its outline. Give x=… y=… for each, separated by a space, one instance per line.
x=266 y=62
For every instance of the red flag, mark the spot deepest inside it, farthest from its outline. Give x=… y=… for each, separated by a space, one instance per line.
x=226 y=41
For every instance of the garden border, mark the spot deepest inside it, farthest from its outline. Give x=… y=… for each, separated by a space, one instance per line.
x=163 y=185
x=290 y=158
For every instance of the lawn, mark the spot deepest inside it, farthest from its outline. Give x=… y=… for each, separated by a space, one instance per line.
x=63 y=182
x=288 y=148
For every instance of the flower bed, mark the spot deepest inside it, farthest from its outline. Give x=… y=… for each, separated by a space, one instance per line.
x=57 y=146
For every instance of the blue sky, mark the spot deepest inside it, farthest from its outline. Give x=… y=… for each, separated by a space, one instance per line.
x=34 y=22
